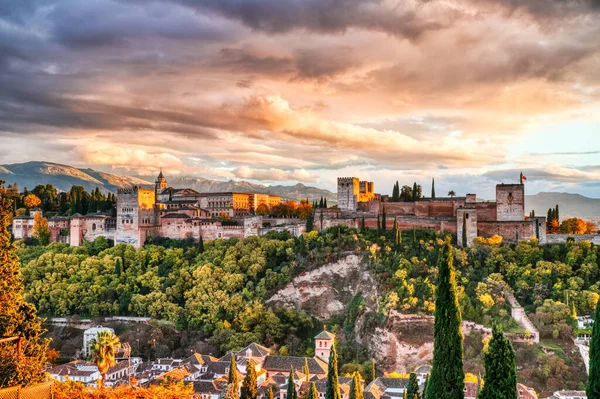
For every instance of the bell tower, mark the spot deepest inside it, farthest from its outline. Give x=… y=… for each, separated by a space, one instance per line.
x=161 y=182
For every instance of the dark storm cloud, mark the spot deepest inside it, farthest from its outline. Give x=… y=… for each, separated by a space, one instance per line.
x=107 y=22
x=328 y=16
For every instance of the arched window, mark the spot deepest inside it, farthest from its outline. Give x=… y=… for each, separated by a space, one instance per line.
x=93 y=226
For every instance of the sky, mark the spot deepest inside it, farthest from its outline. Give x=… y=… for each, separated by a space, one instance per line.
x=469 y=92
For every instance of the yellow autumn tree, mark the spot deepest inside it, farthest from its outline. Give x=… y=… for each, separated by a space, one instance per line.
x=40 y=228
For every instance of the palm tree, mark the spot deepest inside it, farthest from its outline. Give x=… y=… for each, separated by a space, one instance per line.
x=451 y=193
x=103 y=348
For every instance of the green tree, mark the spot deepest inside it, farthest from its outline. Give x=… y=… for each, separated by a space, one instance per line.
x=415 y=192
x=306 y=370
x=310 y=222
x=325 y=202
x=291 y=387
x=232 y=378
x=232 y=392
x=104 y=348
x=593 y=386
x=312 y=392
x=201 y=245
x=383 y=221
x=433 y=187
x=270 y=392
x=118 y=267
x=248 y=390
x=355 y=387
x=425 y=384
x=332 y=386
x=447 y=375
x=412 y=389
x=500 y=368
x=17 y=317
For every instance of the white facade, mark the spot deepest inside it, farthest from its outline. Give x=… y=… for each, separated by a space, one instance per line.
x=92 y=333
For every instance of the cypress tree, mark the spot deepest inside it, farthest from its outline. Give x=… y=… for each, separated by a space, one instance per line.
x=306 y=370
x=325 y=202
x=248 y=390
x=312 y=392
x=310 y=222
x=556 y=214
x=355 y=388
x=415 y=192
x=291 y=387
x=383 y=221
x=412 y=389
x=332 y=387
x=362 y=225
x=321 y=203
x=593 y=387
x=18 y=318
x=378 y=224
x=433 y=187
x=500 y=368
x=201 y=245
x=118 y=267
x=232 y=378
x=270 y=392
x=447 y=376
x=321 y=220
x=373 y=373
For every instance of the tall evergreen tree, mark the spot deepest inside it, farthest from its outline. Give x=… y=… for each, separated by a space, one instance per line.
x=447 y=376
x=415 y=192
x=412 y=389
x=373 y=373
x=363 y=228
x=321 y=203
x=556 y=214
x=332 y=386
x=383 y=221
x=433 y=187
x=325 y=202
x=425 y=386
x=232 y=378
x=593 y=386
x=355 y=387
x=248 y=390
x=500 y=368
x=312 y=392
x=306 y=370
x=18 y=318
x=201 y=245
x=270 y=393
x=291 y=387
x=310 y=222
x=378 y=224
x=118 y=267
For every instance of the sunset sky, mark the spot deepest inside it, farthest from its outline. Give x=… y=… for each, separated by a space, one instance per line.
x=273 y=91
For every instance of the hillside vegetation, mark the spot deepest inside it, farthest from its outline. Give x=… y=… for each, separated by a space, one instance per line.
x=221 y=288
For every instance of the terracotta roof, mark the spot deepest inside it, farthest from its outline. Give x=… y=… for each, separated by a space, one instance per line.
x=197 y=358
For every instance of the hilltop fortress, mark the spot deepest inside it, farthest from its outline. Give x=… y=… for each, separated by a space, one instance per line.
x=358 y=203
x=143 y=213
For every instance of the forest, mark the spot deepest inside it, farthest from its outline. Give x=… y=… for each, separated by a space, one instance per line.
x=220 y=286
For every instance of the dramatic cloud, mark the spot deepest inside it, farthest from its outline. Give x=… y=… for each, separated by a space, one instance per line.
x=305 y=90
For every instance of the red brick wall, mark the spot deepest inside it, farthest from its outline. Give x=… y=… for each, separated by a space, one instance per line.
x=508 y=230
x=486 y=211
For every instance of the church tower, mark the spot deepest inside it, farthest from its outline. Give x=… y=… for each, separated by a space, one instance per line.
x=161 y=182
x=323 y=343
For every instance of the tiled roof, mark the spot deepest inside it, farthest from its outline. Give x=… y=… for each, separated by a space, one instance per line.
x=325 y=335
x=285 y=363
x=197 y=358
x=176 y=216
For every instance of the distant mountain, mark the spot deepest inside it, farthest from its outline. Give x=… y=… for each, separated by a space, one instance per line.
x=570 y=205
x=30 y=174
x=295 y=192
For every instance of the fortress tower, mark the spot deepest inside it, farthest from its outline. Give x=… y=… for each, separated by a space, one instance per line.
x=135 y=215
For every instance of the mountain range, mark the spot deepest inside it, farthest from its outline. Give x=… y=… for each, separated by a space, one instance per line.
x=30 y=174
x=570 y=205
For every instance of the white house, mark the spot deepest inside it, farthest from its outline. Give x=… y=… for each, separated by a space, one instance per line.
x=92 y=333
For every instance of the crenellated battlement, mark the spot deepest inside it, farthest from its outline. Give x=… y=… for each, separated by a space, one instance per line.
x=346 y=179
